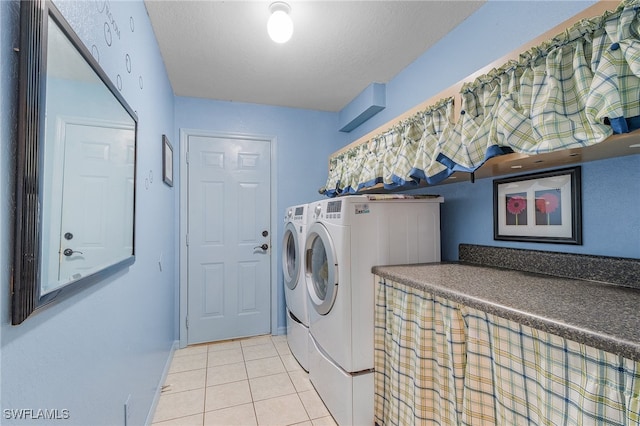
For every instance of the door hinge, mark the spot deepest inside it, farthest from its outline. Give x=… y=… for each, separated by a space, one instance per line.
x=186 y=157
x=187 y=239
x=186 y=321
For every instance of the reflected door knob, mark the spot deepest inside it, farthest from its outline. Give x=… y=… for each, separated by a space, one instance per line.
x=263 y=247
x=68 y=252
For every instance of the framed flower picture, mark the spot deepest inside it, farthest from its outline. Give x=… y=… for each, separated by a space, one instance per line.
x=539 y=207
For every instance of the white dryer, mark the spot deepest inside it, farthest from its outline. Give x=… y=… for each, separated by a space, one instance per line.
x=295 y=289
x=346 y=237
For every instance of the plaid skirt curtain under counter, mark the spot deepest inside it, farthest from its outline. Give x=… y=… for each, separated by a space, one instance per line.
x=439 y=362
x=419 y=358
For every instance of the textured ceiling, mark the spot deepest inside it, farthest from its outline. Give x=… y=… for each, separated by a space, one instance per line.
x=221 y=50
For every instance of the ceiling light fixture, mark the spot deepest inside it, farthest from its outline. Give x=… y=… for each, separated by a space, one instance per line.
x=280 y=25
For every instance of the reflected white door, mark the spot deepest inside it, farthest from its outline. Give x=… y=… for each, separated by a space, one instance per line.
x=95 y=227
x=229 y=274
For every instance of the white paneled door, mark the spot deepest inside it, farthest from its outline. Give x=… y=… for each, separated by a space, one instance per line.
x=97 y=165
x=229 y=238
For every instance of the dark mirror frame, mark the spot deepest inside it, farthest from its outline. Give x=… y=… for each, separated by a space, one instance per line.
x=25 y=283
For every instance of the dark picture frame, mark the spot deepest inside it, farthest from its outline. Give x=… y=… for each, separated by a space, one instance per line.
x=167 y=161
x=544 y=207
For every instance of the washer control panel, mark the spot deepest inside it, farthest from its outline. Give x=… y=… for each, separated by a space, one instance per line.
x=295 y=215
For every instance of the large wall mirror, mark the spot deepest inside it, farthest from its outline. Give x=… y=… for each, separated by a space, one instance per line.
x=76 y=156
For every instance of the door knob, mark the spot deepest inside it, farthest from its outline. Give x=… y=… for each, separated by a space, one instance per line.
x=263 y=247
x=68 y=252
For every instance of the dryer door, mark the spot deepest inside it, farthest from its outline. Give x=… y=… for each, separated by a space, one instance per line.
x=291 y=256
x=321 y=269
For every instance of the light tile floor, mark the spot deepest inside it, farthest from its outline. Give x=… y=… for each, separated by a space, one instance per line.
x=253 y=381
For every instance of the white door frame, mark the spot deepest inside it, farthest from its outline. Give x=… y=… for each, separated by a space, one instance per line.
x=184 y=137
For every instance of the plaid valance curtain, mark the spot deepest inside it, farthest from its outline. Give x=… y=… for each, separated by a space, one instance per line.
x=572 y=91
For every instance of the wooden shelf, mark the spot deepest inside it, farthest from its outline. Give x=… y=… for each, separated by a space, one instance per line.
x=614 y=146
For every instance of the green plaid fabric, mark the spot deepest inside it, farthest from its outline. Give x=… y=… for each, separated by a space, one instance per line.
x=550 y=112
x=572 y=91
x=421 y=135
x=353 y=168
x=438 y=362
x=438 y=124
x=410 y=133
x=392 y=140
x=615 y=90
x=419 y=358
x=333 y=179
x=372 y=168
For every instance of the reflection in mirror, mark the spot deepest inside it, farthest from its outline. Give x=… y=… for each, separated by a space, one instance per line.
x=81 y=223
x=88 y=170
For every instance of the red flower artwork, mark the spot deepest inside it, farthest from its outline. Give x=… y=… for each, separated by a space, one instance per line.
x=516 y=205
x=547 y=203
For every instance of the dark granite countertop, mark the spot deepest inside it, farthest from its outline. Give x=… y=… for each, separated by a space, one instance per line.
x=598 y=314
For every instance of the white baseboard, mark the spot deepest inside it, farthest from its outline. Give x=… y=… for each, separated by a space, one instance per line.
x=163 y=378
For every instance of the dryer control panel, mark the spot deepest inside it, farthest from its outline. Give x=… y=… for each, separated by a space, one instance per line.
x=333 y=210
x=334 y=206
x=299 y=213
x=295 y=214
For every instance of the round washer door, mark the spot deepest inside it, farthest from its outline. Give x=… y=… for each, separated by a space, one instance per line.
x=291 y=256
x=321 y=269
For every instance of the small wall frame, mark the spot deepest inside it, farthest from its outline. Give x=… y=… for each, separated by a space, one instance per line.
x=167 y=161
x=539 y=207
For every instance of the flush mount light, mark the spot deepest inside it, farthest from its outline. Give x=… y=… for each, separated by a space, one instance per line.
x=280 y=25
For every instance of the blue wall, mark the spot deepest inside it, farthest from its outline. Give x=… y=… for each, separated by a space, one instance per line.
x=611 y=188
x=496 y=29
x=306 y=138
x=304 y=141
x=610 y=196
x=88 y=353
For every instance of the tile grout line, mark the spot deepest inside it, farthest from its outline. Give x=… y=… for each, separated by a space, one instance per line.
x=280 y=356
x=206 y=382
x=297 y=393
x=246 y=370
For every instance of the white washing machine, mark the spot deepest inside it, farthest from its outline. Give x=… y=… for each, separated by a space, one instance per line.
x=295 y=289
x=346 y=237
